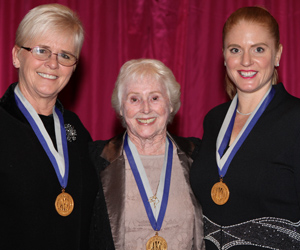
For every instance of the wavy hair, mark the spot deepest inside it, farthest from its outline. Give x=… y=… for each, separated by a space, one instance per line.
x=139 y=69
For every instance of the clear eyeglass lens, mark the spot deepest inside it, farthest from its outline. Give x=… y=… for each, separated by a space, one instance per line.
x=66 y=59
x=41 y=53
x=62 y=58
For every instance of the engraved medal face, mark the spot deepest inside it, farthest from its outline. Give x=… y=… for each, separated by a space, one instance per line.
x=220 y=193
x=64 y=204
x=156 y=243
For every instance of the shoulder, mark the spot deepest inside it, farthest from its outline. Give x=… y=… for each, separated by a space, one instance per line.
x=215 y=117
x=71 y=116
x=218 y=111
x=95 y=150
x=74 y=125
x=283 y=108
x=106 y=151
x=96 y=147
x=189 y=145
x=107 y=147
x=282 y=97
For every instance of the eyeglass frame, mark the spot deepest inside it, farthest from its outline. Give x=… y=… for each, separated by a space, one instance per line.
x=57 y=54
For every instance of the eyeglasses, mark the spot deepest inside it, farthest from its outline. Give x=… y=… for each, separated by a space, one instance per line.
x=43 y=54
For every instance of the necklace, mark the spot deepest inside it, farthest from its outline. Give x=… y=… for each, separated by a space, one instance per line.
x=243 y=113
x=153 y=199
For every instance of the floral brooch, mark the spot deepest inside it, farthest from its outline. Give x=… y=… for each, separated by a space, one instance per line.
x=70 y=132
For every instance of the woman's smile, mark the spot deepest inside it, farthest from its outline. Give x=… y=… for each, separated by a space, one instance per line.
x=247 y=73
x=146 y=121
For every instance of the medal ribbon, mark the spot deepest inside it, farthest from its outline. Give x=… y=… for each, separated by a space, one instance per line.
x=156 y=219
x=59 y=158
x=224 y=161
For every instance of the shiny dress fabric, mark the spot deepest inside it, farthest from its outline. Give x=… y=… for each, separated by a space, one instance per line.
x=29 y=185
x=109 y=161
x=263 y=210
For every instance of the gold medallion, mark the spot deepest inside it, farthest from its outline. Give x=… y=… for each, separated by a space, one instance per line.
x=64 y=204
x=156 y=243
x=220 y=193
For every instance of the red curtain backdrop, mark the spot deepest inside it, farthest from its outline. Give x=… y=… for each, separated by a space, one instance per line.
x=184 y=34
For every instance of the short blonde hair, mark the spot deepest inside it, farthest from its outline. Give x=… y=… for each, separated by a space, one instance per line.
x=50 y=17
x=135 y=70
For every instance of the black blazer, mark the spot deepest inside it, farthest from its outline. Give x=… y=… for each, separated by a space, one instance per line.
x=264 y=175
x=29 y=185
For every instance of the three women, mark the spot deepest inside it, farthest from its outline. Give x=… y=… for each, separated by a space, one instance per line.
x=248 y=184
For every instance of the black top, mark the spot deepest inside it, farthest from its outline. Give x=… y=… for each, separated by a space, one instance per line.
x=263 y=179
x=29 y=185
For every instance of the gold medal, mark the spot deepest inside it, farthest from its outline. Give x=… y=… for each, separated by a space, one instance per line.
x=64 y=204
x=220 y=193
x=156 y=243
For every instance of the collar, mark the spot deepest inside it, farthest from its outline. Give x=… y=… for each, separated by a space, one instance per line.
x=8 y=103
x=114 y=148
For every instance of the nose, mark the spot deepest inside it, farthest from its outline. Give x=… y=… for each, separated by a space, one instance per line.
x=246 y=59
x=52 y=61
x=146 y=107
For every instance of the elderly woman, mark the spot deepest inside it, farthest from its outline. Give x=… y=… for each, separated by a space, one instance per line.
x=247 y=175
x=48 y=184
x=144 y=173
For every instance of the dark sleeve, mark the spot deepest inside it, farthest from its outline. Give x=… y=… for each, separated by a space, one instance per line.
x=95 y=150
x=100 y=231
x=197 y=145
x=292 y=158
x=190 y=146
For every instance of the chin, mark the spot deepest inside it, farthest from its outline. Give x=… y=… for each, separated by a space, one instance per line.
x=248 y=89
x=146 y=135
x=48 y=92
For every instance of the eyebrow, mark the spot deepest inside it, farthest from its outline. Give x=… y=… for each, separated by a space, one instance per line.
x=254 y=45
x=151 y=93
x=62 y=51
x=132 y=93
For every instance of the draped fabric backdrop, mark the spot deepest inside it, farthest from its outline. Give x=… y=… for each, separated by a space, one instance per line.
x=184 y=34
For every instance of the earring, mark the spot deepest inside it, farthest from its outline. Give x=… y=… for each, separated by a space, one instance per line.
x=277 y=65
x=224 y=63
